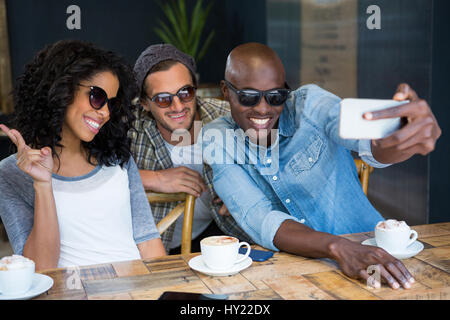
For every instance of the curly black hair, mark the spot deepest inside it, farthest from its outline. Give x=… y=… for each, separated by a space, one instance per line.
x=48 y=86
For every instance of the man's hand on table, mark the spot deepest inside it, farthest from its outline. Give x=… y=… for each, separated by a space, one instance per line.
x=354 y=260
x=417 y=136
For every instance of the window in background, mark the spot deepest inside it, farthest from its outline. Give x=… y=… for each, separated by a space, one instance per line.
x=328 y=42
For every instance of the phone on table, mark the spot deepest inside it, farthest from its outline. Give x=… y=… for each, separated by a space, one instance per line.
x=257 y=255
x=352 y=125
x=173 y=295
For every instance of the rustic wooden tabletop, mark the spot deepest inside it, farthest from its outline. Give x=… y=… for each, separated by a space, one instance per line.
x=284 y=276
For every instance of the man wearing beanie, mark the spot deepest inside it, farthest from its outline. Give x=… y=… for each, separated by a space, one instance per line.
x=164 y=144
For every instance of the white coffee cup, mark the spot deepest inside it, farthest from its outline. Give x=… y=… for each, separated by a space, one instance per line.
x=16 y=277
x=221 y=252
x=394 y=236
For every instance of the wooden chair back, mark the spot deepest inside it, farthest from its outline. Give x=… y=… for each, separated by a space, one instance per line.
x=186 y=207
x=364 y=170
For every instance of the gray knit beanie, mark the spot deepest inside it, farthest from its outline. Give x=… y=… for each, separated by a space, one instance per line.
x=156 y=53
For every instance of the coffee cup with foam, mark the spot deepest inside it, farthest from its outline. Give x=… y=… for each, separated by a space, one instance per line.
x=16 y=275
x=394 y=236
x=222 y=252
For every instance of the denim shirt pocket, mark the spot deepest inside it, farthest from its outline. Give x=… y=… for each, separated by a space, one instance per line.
x=306 y=166
x=307 y=158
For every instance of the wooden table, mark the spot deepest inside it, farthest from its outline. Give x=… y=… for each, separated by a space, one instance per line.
x=284 y=276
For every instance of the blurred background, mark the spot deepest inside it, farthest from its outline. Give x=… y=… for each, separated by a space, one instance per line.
x=354 y=48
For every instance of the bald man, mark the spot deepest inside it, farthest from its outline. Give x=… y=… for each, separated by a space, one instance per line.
x=287 y=177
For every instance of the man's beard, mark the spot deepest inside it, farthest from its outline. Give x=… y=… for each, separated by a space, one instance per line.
x=166 y=126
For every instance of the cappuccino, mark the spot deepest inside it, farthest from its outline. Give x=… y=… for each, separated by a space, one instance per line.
x=16 y=275
x=219 y=240
x=15 y=262
x=391 y=224
x=394 y=236
x=222 y=252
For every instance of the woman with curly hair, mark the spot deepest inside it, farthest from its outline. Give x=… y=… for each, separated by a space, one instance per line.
x=72 y=194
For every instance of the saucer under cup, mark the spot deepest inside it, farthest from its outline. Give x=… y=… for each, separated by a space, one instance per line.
x=16 y=281
x=223 y=256
x=395 y=240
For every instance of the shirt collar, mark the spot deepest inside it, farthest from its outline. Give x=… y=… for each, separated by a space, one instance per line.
x=286 y=122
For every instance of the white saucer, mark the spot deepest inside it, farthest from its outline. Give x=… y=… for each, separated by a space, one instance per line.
x=409 y=252
x=197 y=264
x=41 y=283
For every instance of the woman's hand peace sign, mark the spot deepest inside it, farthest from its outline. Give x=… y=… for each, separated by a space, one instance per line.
x=37 y=163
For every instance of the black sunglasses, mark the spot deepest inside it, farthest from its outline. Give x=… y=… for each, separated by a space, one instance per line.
x=165 y=99
x=251 y=97
x=98 y=98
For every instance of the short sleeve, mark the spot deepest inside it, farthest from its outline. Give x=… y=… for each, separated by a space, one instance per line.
x=16 y=203
x=144 y=227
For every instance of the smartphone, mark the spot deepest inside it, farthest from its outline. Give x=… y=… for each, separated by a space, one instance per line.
x=352 y=125
x=257 y=255
x=172 y=295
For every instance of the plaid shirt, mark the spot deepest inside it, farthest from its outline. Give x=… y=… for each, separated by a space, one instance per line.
x=150 y=153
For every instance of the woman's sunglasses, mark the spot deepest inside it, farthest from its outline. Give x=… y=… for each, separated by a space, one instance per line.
x=165 y=99
x=252 y=97
x=98 y=98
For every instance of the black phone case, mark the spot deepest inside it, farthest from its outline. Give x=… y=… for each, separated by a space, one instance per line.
x=172 y=295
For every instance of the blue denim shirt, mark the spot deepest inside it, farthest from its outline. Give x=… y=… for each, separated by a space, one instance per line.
x=307 y=174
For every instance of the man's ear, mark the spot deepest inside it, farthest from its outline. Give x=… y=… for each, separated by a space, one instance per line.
x=225 y=92
x=145 y=104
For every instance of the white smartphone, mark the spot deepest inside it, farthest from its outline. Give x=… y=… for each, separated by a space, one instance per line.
x=352 y=125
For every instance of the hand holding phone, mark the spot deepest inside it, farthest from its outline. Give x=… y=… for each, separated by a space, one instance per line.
x=418 y=133
x=352 y=125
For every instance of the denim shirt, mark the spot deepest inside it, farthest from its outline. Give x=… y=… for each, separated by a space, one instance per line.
x=307 y=174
